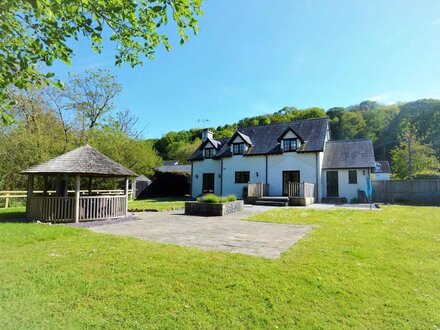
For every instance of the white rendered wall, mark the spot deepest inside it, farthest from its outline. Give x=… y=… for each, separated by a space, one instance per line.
x=290 y=161
x=205 y=166
x=252 y=164
x=347 y=190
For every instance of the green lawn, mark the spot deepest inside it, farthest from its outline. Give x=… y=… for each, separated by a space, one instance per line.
x=356 y=269
x=159 y=204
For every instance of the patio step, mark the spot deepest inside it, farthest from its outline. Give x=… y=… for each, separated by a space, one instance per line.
x=272 y=201
x=332 y=200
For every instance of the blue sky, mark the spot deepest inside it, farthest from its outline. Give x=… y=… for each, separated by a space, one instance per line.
x=256 y=56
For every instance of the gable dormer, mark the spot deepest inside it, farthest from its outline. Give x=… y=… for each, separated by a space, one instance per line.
x=209 y=148
x=239 y=143
x=290 y=140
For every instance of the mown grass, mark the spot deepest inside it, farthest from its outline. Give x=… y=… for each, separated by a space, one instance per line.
x=356 y=269
x=158 y=204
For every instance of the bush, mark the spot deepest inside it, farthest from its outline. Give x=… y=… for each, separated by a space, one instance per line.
x=427 y=175
x=210 y=198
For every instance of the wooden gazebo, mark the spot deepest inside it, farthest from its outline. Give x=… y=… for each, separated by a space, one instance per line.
x=76 y=205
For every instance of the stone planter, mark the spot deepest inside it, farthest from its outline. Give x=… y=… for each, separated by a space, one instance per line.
x=212 y=209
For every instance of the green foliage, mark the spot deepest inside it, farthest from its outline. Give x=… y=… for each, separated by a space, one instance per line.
x=209 y=198
x=39 y=32
x=212 y=198
x=353 y=124
x=427 y=174
x=423 y=159
x=136 y=155
x=231 y=198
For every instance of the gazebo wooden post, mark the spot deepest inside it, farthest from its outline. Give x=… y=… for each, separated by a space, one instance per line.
x=30 y=192
x=126 y=195
x=77 y=193
x=45 y=185
x=90 y=185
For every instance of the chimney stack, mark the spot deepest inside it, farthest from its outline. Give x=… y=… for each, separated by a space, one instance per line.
x=207 y=134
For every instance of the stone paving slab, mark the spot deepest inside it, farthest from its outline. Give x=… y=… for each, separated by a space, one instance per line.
x=228 y=233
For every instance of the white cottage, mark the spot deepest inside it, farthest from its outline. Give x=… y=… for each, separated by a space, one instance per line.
x=277 y=161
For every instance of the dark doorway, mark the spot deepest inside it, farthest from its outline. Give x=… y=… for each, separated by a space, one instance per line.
x=208 y=183
x=332 y=184
x=289 y=176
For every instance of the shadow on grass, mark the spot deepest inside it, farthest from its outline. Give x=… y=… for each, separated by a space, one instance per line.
x=13 y=216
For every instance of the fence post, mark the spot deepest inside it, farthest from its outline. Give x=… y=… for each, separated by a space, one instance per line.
x=7 y=201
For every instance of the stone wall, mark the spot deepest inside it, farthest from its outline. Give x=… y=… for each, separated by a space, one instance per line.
x=212 y=209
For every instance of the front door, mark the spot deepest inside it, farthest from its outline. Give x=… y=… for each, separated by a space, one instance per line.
x=332 y=184
x=208 y=183
x=289 y=176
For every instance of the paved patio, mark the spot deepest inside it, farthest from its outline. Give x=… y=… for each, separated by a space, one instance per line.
x=228 y=233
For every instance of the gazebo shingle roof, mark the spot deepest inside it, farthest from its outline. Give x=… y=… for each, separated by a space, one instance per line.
x=84 y=160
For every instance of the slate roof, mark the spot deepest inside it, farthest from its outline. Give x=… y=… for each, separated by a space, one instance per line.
x=84 y=160
x=170 y=162
x=175 y=168
x=348 y=154
x=384 y=167
x=264 y=138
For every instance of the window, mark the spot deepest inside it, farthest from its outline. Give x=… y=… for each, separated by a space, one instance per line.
x=209 y=152
x=238 y=148
x=352 y=176
x=241 y=177
x=290 y=144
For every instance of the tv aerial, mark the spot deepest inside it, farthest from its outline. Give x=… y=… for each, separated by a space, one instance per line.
x=203 y=121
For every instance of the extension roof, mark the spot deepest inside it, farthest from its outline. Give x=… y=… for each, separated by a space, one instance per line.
x=348 y=154
x=179 y=168
x=263 y=139
x=84 y=160
x=382 y=166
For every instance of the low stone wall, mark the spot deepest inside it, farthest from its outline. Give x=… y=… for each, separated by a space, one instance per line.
x=212 y=209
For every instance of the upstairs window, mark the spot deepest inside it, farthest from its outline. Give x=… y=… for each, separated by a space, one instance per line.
x=209 y=152
x=352 y=176
x=290 y=144
x=242 y=177
x=238 y=148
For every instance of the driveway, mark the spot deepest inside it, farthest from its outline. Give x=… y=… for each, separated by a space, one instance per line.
x=228 y=233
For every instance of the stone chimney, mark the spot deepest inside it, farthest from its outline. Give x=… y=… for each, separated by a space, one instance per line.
x=207 y=134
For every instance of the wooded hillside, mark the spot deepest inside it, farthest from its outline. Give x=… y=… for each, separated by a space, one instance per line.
x=388 y=126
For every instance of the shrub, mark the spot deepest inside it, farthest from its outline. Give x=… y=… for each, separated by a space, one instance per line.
x=427 y=174
x=210 y=198
x=231 y=198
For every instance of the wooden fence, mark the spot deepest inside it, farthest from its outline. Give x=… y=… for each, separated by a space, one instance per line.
x=49 y=208
x=257 y=189
x=425 y=192
x=22 y=194
x=301 y=190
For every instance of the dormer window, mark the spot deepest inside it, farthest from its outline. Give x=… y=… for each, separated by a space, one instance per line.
x=209 y=152
x=238 y=148
x=290 y=145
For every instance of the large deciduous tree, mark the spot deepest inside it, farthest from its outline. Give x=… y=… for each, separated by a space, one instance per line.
x=38 y=32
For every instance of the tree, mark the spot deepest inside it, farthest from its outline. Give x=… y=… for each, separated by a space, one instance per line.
x=422 y=159
x=353 y=124
x=37 y=33
x=91 y=96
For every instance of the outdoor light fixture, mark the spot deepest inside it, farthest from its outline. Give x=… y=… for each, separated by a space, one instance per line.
x=219 y=176
x=197 y=176
x=257 y=174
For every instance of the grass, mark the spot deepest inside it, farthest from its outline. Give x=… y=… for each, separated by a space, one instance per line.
x=12 y=214
x=356 y=269
x=158 y=204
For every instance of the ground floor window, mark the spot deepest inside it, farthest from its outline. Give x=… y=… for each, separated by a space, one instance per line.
x=352 y=176
x=242 y=177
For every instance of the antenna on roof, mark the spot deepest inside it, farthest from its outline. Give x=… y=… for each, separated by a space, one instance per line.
x=203 y=121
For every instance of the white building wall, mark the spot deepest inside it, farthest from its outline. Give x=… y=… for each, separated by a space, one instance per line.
x=205 y=166
x=290 y=161
x=381 y=176
x=253 y=164
x=347 y=190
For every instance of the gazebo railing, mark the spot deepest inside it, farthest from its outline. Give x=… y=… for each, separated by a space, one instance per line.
x=101 y=207
x=48 y=208
x=62 y=209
